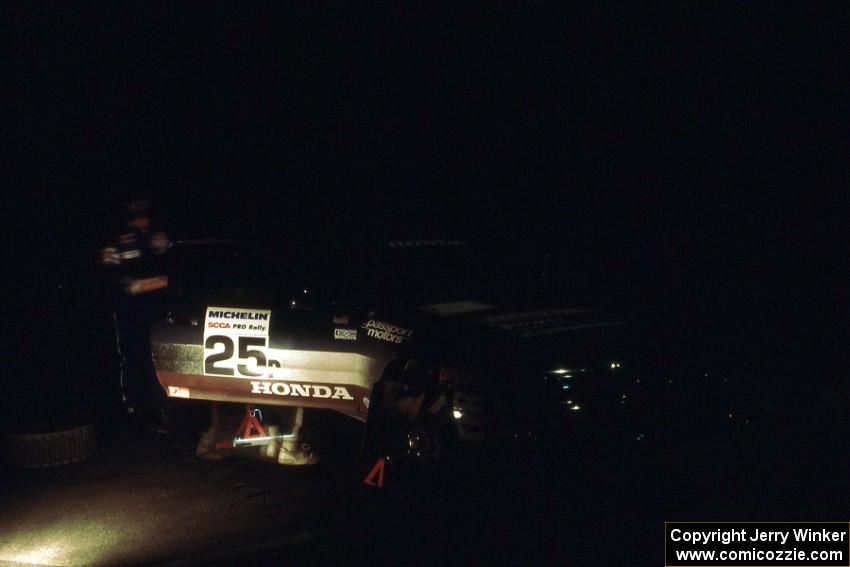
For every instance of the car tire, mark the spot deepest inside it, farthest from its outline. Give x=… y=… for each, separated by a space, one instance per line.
x=38 y=450
x=409 y=437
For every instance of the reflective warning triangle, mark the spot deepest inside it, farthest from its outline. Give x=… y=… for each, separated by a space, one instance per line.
x=377 y=471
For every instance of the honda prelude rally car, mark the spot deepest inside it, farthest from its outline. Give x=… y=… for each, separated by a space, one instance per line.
x=408 y=337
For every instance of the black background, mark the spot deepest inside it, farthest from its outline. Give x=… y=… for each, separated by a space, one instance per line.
x=686 y=159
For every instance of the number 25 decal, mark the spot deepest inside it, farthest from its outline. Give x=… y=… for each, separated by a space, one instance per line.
x=245 y=351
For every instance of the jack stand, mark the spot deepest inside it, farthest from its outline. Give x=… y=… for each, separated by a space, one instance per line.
x=250 y=432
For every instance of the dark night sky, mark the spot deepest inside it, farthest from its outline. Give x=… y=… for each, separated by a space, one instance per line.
x=684 y=153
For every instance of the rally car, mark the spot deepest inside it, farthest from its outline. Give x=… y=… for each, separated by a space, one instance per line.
x=406 y=336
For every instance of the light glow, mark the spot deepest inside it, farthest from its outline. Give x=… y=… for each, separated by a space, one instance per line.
x=43 y=555
x=67 y=541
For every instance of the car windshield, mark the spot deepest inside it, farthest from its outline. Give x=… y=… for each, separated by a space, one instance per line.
x=395 y=273
x=223 y=273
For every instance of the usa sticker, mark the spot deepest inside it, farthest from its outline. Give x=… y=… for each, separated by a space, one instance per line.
x=345 y=334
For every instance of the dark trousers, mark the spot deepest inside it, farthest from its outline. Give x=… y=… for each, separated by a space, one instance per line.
x=139 y=386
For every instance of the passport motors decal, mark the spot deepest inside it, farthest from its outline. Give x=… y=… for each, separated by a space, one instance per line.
x=386 y=332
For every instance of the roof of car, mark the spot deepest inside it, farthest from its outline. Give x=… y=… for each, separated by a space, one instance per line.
x=213 y=242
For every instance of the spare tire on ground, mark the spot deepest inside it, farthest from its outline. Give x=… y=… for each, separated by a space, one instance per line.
x=32 y=450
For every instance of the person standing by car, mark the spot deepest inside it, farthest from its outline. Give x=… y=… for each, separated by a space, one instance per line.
x=133 y=261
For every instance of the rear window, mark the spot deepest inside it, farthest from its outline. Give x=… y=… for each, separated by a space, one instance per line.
x=232 y=275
